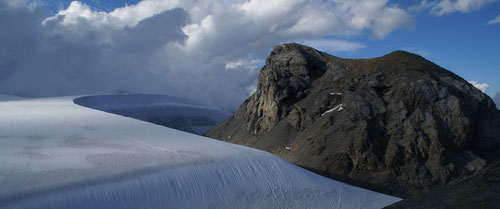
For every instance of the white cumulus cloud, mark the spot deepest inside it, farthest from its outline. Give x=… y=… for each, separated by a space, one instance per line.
x=481 y=86
x=204 y=50
x=442 y=7
x=496 y=20
x=333 y=45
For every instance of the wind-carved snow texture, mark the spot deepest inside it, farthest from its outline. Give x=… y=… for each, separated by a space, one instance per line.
x=173 y=112
x=56 y=154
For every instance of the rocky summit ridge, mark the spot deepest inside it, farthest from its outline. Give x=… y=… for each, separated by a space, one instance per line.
x=398 y=124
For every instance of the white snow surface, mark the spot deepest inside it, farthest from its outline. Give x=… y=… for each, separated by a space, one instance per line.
x=338 y=108
x=56 y=154
x=173 y=112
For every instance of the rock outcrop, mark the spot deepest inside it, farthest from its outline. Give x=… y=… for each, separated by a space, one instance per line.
x=478 y=191
x=397 y=124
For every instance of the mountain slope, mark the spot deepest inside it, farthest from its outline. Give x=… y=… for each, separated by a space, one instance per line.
x=478 y=191
x=397 y=123
x=56 y=154
x=173 y=112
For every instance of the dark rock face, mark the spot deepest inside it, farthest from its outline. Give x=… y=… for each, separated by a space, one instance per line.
x=479 y=191
x=398 y=124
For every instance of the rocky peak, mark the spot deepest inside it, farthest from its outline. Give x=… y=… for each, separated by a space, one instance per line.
x=284 y=80
x=399 y=123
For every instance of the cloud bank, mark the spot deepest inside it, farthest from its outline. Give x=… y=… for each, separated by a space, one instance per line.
x=442 y=7
x=481 y=86
x=204 y=50
x=333 y=45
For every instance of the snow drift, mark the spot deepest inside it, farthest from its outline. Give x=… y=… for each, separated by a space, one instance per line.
x=56 y=154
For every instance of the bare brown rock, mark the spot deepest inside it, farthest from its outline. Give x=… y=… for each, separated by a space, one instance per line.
x=398 y=124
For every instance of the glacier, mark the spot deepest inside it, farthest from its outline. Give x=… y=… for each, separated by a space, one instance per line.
x=173 y=112
x=57 y=154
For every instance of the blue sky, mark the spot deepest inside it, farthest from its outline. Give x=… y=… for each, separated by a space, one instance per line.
x=462 y=43
x=53 y=6
x=207 y=50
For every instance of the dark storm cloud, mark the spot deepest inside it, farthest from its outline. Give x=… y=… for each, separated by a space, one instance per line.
x=203 y=50
x=45 y=60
